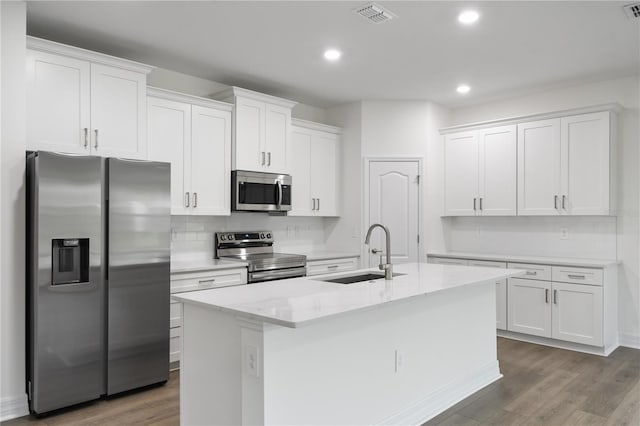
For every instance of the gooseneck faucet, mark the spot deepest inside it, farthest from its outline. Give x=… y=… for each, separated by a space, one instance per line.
x=386 y=267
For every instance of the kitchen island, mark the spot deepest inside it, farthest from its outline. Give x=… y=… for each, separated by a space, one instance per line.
x=306 y=351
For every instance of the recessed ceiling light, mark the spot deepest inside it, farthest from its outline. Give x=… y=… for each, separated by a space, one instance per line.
x=468 y=17
x=332 y=54
x=463 y=88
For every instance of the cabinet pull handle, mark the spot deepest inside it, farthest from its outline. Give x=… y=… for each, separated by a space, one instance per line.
x=186 y=199
x=474 y=204
x=86 y=137
x=564 y=198
x=318 y=204
x=555 y=202
x=531 y=273
x=268 y=159
x=576 y=277
x=332 y=266
x=96 y=140
x=546 y=295
x=555 y=297
x=262 y=163
x=211 y=280
x=313 y=204
x=480 y=203
x=195 y=200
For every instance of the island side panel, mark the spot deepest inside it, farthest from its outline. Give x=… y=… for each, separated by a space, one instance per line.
x=343 y=370
x=210 y=368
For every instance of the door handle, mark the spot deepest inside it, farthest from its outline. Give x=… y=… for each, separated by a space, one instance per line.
x=564 y=198
x=95 y=145
x=268 y=159
x=318 y=204
x=546 y=295
x=480 y=203
x=313 y=204
x=555 y=202
x=195 y=200
x=279 y=200
x=186 y=197
x=474 y=204
x=555 y=297
x=576 y=277
x=262 y=162
x=86 y=137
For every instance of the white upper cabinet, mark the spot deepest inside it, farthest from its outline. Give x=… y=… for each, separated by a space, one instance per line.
x=83 y=102
x=461 y=174
x=315 y=169
x=261 y=131
x=194 y=135
x=539 y=167
x=480 y=172
x=548 y=164
x=585 y=164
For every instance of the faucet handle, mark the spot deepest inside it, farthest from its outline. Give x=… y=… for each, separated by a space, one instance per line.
x=375 y=251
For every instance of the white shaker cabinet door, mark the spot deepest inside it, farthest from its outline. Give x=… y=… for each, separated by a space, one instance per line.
x=497 y=171
x=169 y=140
x=210 y=161
x=58 y=103
x=324 y=173
x=461 y=174
x=249 y=152
x=585 y=164
x=577 y=313
x=302 y=203
x=529 y=306
x=278 y=127
x=539 y=168
x=118 y=112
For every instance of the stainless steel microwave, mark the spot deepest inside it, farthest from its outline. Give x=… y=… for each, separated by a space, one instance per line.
x=260 y=192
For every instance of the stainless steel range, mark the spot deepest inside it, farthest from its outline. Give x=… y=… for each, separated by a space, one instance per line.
x=256 y=248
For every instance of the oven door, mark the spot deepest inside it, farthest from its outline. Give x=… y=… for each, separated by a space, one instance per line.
x=261 y=192
x=276 y=274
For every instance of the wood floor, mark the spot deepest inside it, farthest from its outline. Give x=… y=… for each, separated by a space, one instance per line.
x=541 y=386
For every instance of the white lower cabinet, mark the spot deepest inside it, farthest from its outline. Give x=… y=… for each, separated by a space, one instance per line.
x=501 y=291
x=330 y=266
x=576 y=314
x=195 y=281
x=529 y=307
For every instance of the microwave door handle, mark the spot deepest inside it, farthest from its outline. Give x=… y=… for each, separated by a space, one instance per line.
x=279 y=201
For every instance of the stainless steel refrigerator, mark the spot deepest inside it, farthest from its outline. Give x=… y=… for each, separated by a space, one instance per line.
x=98 y=253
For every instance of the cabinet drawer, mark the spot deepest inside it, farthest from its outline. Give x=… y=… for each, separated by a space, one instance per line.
x=208 y=279
x=175 y=314
x=574 y=275
x=447 y=261
x=488 y=263
x=319 y=267
x=534 y=272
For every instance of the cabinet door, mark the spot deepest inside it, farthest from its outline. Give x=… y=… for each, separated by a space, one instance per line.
x=210 y=161
x=585 y=164
x=325 y=173
x=301 y=172
x=539 y=168
x=497 y=171
x=461 y=174
x=169 y=140
x=577 y=313
x=249 y=153
x=278 y=127
x=118 y=112
x=57 y=103
x=529 y=306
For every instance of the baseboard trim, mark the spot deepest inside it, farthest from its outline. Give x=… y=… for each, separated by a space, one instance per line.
x=13 y=406
x=560 y=344
x=629 y=340
x=445 y=397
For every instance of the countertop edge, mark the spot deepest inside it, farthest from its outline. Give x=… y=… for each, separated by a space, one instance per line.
x=588 y=263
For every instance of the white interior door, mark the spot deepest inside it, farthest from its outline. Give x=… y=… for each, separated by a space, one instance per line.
x=393 y=202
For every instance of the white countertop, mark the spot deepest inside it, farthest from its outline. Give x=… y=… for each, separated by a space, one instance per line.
x=564 y=261
x=299 y=301
x=196 y=265
x=326 y=254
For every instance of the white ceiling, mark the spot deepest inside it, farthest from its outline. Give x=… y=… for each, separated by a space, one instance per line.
x=277 y=47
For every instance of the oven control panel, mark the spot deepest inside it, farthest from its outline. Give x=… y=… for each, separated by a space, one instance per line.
x=244 y=237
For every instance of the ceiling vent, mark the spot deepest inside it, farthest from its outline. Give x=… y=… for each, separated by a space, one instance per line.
x=374 y=13
x=632 y=10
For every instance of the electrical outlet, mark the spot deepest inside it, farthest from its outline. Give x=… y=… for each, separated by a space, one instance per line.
x=564 y=233
x=399 y=361
x=251 y=361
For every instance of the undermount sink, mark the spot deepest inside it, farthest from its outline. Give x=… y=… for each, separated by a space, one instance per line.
x=351 y=279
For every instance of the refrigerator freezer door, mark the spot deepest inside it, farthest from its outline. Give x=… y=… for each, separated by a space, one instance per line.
x=65 y=309
x=139 y=203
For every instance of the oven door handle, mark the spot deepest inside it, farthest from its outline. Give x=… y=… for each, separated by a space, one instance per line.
x=277 y=274
x=279 y=200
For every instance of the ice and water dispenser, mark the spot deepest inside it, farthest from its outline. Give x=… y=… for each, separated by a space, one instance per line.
x=70 y=258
